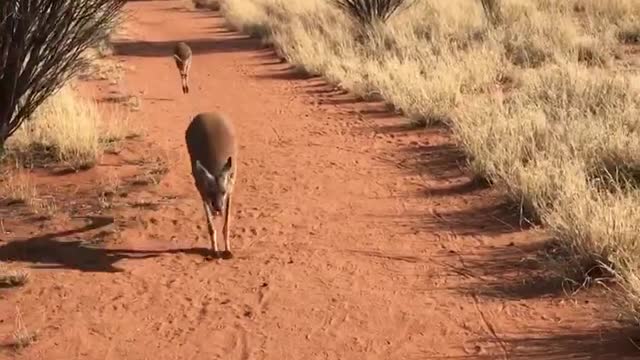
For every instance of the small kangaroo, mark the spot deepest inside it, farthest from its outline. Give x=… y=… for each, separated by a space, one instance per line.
x=211 y=143
x=182 y=53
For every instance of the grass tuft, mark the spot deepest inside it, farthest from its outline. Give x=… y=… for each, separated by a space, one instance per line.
x=68 y=129
x=13 y=278
x=22 y=336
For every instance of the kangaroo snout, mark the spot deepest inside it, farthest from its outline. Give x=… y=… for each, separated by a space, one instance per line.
x=218 y=206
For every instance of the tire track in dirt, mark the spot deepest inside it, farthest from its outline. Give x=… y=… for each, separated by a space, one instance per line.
x=348 y=231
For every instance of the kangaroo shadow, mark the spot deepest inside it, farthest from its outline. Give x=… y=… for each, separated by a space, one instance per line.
x=56 y=251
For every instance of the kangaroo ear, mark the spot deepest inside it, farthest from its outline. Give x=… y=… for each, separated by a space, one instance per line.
x=203 y=173
x=227 y=165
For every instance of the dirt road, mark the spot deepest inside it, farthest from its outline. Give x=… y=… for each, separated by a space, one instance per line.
x=355 y=237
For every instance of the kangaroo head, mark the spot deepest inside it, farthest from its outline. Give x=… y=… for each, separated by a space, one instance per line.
x=215 y=187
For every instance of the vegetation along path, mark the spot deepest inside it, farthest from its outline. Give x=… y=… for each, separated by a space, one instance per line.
x=355 y=237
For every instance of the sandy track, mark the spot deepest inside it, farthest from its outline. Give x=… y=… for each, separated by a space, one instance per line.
x=355 y=237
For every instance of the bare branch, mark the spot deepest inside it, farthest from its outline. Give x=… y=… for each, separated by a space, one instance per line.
x=367 y=12
x=41 y=46
x=492 y=11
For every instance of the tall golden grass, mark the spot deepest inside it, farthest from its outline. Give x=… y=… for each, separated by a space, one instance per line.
x=68 y=129
x=545 y=99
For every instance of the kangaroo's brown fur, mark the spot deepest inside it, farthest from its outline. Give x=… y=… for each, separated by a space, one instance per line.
x=212 y=147
x=182 y=54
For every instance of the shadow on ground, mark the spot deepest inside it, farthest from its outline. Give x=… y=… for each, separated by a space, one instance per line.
x=496 y=216
x=60 y=251
x=603 y=344
x=288 y=73
x=198 y=46
x=512 y=272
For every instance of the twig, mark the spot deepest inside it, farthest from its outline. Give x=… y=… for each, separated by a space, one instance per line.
x=277 y=135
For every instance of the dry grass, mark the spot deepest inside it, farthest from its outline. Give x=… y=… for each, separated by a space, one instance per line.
x=22 y=336
x=70 y=130
x=101 y=67
x=13 y=277
x=17 y=187
x=64 y=129
x=535 y=94
x=109 y=185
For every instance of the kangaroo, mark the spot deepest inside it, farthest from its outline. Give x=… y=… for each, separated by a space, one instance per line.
x=211 y=143
x=182 y=54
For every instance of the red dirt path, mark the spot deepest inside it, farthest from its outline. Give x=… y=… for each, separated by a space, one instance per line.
x=354 y=236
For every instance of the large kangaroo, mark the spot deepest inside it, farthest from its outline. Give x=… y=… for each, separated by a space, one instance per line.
x=182 y=54
x=211 y=143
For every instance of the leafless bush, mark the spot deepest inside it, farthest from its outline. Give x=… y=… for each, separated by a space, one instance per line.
x=492 y=11
x=367 y=12
x=41 y=46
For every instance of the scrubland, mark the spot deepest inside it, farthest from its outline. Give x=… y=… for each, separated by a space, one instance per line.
x=69 y=129
x=542 y=95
